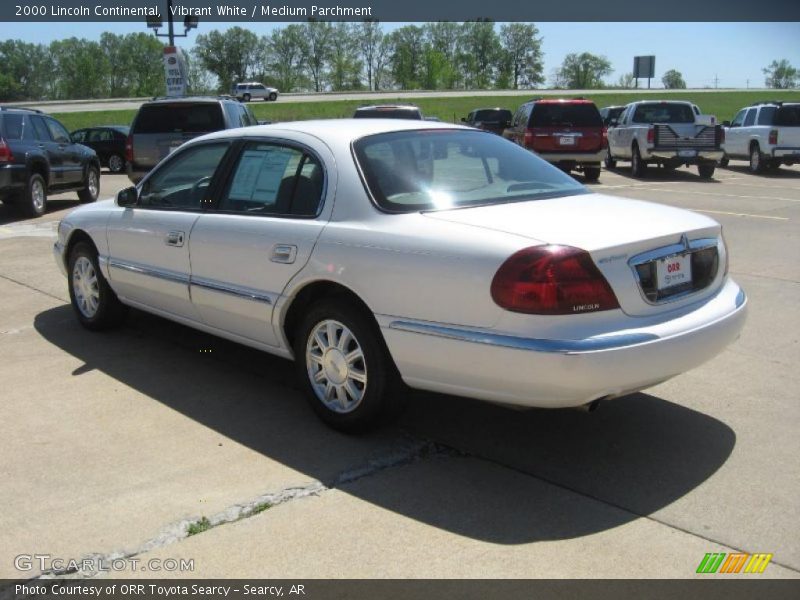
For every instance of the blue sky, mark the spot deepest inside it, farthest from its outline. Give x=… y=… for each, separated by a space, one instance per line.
x=732 y=52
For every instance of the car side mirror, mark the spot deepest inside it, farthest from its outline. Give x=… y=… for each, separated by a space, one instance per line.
x=127 y=197
x=726 y=123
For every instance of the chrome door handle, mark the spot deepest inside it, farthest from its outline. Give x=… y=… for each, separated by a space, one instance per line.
x=174 y=238
x=284 y=253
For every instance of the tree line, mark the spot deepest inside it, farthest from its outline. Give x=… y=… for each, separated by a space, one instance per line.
x=314 y=56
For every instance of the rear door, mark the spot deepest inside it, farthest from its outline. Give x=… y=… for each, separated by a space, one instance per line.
x=68 y=152
x=260 y=235
x=149 y=243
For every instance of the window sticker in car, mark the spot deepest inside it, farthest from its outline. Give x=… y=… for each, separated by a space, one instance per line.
x=259 y=174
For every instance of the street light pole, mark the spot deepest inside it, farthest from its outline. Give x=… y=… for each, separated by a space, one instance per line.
x=169 y=23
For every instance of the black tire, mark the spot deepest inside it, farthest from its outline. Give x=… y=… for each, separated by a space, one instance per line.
x=246 y=98
x=706 y=170
x=591 y=173
x=109 y=310
x=638 y=166
x=724 y=161
x=757 y=161
x=379 y=400
x=34 y=197
x=92 y=183
x=273 y=96
x=774 y=165
x=609 y=160
x=116 y=164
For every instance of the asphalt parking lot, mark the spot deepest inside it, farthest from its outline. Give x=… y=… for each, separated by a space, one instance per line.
x=115 y=443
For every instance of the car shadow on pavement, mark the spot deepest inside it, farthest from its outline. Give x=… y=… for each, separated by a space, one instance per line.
x=491 y=473
x=781 y=173
x=10 y=214
x=655 y=173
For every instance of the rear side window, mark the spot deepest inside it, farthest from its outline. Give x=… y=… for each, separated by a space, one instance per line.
x=40 y=128
x=788 y=116
x=663 y=113
x=179 y=118
x=270 y=179
x=11 y=127
x=565 y=115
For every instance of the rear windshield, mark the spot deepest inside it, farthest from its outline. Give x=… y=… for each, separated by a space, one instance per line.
x=11 y=126
x=663 y=112
x=179 y=118
x=788 y=116
x=387 y=113
x=565 y=115
x=491 y=116
x=408 y=171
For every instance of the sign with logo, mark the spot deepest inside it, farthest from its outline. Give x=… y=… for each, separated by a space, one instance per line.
x=175 y=71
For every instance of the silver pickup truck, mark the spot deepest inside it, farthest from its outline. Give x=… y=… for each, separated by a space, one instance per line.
x=667 y=133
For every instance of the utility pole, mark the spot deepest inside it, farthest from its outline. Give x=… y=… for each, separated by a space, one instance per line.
x=716 y=81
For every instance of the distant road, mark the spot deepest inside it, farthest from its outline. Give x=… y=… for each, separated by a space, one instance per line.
x=134 y=103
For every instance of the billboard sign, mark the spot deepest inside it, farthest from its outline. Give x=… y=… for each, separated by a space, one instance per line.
x=175 y=71
x=644 y=67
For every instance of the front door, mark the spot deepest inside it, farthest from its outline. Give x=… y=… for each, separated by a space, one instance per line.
x=261 y=233
x=148 y=258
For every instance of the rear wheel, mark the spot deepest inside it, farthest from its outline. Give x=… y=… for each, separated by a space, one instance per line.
x=344 y=367
x=723 y=162
x=92 y=182
x=638 y=166
x=591 y=172
x=95 y=304
x=34 y=198
x=756 y=159
x=610 y=162
x=706 y=170
x=116 y=163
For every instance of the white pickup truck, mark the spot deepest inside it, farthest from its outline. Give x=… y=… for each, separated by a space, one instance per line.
x=667 y=133
x=767 y=134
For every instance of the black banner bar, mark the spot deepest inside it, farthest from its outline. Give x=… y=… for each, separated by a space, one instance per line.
x=405 y=10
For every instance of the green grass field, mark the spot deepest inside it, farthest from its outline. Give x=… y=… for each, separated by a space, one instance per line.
x=722 y=104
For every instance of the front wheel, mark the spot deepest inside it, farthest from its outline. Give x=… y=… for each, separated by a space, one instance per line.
x=92 y=189
x=344 y=367
x=273 y=96
x=246 y=98
x=724 y=161
x=638 y=166
x=706 y=170
x=95 y=304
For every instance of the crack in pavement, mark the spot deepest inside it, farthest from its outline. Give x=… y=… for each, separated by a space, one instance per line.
x=409 y=450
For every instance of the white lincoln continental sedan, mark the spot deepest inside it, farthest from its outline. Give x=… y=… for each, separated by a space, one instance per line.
x=377 y=251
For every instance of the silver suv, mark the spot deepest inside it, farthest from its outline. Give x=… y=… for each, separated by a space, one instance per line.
x=254 y=90
x=163 y=124
x=766 y=134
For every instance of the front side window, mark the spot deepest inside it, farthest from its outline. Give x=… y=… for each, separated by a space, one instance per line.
x=183 y=181
x=410 y=171
x=271 y=179
x=738 y=119
x=57 y=131
x=100 y=135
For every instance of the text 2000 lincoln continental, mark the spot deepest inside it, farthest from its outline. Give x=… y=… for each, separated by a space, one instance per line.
x=371 y=251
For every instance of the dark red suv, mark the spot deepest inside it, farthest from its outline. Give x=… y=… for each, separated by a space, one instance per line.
x=565 y=132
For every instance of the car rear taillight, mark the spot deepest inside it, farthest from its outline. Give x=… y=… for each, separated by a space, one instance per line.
x=129 y=149
x=651 y=135
x=528 y=140
x=605 y=137
x=773 y=136
x=552 y=280
x=5 y=152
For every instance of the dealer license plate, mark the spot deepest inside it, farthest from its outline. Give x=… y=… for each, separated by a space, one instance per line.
x=566 y=140
x=687 y=153
x=672 y=271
